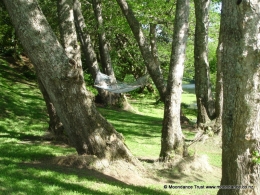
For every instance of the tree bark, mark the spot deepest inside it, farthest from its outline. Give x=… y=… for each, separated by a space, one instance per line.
x=63 y=80
x=85 y=40
x=241 y=122
x=205 y=102
x=103 y=44
x=111 y=98
x=69 y=42
x=152 y=67
x=153 y=44
x=219 y=89
x=172 y=137
x=56 y=128
x=90 y=55
x=68 y=32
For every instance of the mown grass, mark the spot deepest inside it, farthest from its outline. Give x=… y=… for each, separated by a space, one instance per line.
x=23 y=122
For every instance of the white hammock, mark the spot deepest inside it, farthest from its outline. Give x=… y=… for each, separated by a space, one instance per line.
x=109 y=84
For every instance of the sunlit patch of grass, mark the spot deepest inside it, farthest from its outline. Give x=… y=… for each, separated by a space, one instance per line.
x=138 y=130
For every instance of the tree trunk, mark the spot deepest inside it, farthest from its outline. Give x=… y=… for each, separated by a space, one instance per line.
x=153 y=44
x=90 y=54
x=172 y=137
x=241 y=122
x=112 y=98
x=152 y=67
x=103 y=45
x=69 y=42
x=85 y=40
x=219 y=89
x=56 y=128
x=68 y=32
x=205 y=102
x=63 y=80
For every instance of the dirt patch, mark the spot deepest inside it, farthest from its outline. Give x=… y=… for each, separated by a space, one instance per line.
x=194 y=163
x=115 y=171
x=190 y=169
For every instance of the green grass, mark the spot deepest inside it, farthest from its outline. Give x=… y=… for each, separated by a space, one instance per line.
x=23 y=153
x=138 y=130
x=23 y=120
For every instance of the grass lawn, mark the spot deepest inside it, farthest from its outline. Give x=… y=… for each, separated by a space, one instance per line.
x=25 y=156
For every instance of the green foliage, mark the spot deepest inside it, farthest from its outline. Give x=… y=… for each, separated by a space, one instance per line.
x=49 y=9
x=213 y=40
x=8 y=41
x=124 y=51
x=256 y=157
x=156 y=11
x=89 y=83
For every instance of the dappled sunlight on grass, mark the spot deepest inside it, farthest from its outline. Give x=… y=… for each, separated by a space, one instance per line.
x=24 y=155
x=138 y=130
x=26 y=164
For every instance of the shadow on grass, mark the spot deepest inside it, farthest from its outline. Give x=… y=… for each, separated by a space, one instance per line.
x=21 y=109
x=4 y=133
x=21 y=102
x=15 y=102
x=21 y=105
x=135 y=124
x=42 y=178
x=16 y=74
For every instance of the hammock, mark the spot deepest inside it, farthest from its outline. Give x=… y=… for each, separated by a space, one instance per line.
x=110 y=84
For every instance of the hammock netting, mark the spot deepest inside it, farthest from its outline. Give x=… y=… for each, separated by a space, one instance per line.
x=110 y=84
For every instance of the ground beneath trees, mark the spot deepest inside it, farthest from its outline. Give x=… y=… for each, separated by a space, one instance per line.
x=201 y=167
x=192 y=169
